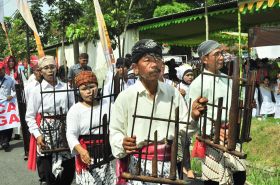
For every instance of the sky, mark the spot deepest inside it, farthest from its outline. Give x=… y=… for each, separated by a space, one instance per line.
x=10 y=6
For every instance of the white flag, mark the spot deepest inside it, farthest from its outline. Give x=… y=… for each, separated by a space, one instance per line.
x=26 y=14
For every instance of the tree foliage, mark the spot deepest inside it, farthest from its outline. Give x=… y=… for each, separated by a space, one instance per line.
x=172 y=8
x=77 y=20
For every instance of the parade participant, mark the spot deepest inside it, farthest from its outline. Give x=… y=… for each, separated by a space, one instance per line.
x=122 y=65
x=277 y=96
x=164 y=75
x=267 y=98
x=53 y=168
x=185 y=75
x=147 y=56
x=32 y=84
x=78 y=124
x=7 y=85
x=12 y=68
x=81 y=66
x=217 y=167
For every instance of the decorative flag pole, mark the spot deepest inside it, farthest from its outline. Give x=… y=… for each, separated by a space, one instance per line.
x=104 y=36
x=27 y=16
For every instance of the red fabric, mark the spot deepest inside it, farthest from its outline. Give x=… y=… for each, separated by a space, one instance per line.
x=199 y=149
x=2 y=64
x=160 y=152
x=121 y=166
x=80 y=165
x=32 y=155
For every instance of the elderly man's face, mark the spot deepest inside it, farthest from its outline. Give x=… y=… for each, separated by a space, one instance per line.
x=49 y=72
x=149 y=67
x=214 y=61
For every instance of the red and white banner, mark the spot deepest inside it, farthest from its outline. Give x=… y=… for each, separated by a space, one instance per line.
x=8 y=114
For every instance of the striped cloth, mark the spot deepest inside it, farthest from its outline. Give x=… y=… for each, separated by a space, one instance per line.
x=219 y=166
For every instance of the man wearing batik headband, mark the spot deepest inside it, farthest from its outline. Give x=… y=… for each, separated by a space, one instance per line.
x=80 y=117
x=56 y=168
x=217 y=167
x=147 y=56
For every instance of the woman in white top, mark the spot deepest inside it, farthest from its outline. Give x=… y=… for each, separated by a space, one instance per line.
x=267 y=106
x=81 y=117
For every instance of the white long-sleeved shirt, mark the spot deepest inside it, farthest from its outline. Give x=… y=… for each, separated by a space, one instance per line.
x=34 y=105
x=78 y=122
x=7 y=87
x=222 y=85
x=30 y=88
x=123 y=110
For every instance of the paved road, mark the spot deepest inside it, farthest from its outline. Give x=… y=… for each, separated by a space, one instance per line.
x=13 y=170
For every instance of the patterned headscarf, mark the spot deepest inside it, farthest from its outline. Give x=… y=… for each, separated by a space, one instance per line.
x=207 y=47
x=143 y=47
x=85 y=77
x=46 y=60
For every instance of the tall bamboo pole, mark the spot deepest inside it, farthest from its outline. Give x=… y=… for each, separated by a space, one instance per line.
x=206 y=21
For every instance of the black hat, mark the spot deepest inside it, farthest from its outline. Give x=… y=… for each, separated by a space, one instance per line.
x=145 y=46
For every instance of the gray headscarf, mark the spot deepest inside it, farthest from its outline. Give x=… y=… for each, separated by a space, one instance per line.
x=206 y=47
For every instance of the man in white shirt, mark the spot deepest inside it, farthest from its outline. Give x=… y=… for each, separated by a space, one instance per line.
x=124 y=139
x=217 y=167
x=52 y=168
x=7 y=85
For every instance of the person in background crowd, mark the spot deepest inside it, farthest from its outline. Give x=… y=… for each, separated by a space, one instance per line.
x=147 y=56
x=62 y=72
x=277 y=96
x=78 y=124
x=53 y=168
x=12 y=68
x=81 y=66
x=28 y=89
x=122 y=65
x=34 y=83
x=164 y=75
x=217 y=167
x=266 y=98
x=185 y=75
x=261 y=71
x=172 y=71
x=7 y=85
x=12 y=71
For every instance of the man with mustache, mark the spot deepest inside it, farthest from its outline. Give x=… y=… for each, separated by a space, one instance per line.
x=126 y=140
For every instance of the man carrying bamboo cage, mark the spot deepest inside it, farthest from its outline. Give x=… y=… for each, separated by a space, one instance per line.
x=129 y=134
x=218 y=167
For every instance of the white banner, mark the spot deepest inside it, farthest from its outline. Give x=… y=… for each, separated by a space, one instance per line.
x=8 y=114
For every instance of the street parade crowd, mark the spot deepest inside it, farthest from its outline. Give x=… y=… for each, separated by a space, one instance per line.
x=79 y=128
